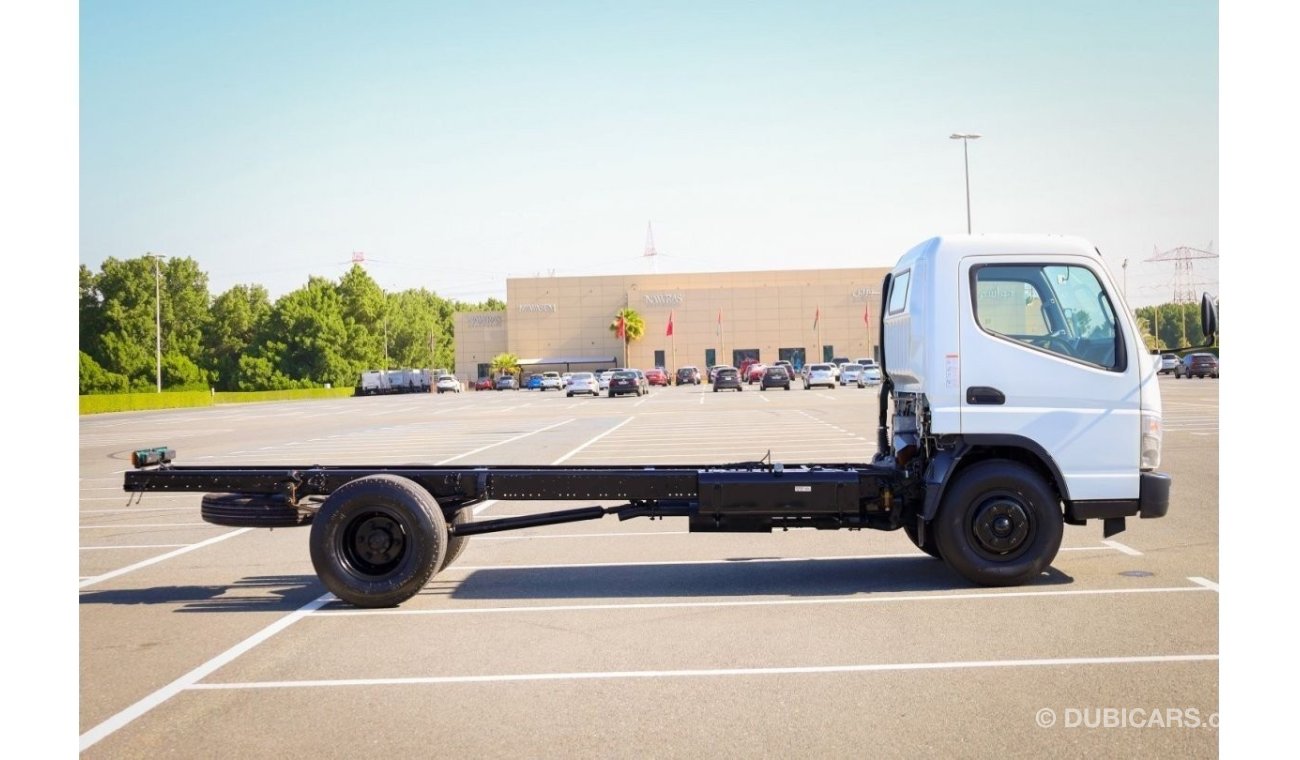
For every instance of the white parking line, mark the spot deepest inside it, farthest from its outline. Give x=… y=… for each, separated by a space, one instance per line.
x=94 y=735
x=87 y=582
x=115 y=526
x=508 y=440
x=1117 y=546
x=703 y=673
x=1205 y=582
x=565 y=458
x=137 y=546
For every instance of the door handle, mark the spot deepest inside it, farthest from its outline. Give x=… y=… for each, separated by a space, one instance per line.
x=982 y=394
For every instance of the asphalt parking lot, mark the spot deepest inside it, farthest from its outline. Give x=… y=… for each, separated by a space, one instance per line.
x=633 y=639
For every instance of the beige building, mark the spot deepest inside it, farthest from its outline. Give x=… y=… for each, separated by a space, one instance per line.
x=563 y=323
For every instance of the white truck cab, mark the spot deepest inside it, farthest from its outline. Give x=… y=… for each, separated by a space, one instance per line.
x=1018 y=348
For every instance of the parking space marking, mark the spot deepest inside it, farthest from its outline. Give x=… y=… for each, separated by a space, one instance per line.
x=823 y=600
x=1205 y=582
x=480 y=508
x=508 y=440
x=1117 y=546
x=94 y=735
x=566 y=457
x=705 y=673
x=87 y=582
x=653 y=563
x=137 y=546
x=117 y=526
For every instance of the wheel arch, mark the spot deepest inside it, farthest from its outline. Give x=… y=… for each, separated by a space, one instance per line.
x=980 y=448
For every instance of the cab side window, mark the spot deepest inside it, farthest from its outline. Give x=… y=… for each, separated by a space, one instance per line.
x=1060 y=309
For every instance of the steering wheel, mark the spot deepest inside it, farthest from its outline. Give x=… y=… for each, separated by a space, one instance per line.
x=1059 y=342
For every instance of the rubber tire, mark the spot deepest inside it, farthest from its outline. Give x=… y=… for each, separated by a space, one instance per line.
x=715 y=389
x=456 y=544
x=1012 y=481
x=568 y=395
x=234 y=510
x=930 y=547
x=401 y=501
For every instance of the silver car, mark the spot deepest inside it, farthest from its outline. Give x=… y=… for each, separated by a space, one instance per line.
x=852 y=374
x=820 y=374
x=584 y=383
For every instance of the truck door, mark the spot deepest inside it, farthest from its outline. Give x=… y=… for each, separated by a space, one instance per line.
x=1044 y=358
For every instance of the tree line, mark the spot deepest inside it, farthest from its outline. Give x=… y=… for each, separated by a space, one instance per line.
x=1170 y=325
x=325 y=332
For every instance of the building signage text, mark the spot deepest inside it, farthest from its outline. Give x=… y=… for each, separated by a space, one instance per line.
x=537 y=308
x=485 y=320
x=664 y=299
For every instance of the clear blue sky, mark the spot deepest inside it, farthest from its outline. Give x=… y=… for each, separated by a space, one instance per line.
x=458 y=143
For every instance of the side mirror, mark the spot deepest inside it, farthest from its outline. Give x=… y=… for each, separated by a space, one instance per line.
x=1209 y=318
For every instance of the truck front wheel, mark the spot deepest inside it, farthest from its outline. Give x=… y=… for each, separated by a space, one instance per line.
x=999 y=524
x=928 y=545
x=377 y=540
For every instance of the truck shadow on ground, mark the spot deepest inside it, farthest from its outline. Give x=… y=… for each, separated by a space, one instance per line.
x=743 y=577
x=273 y=593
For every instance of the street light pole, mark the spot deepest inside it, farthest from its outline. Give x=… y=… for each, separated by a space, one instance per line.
x=965 y=156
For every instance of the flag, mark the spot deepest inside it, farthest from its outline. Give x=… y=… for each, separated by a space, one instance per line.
x=718 y=331
x=866 y=313
x=817 y=317
x=670 y=324
x=622 y=330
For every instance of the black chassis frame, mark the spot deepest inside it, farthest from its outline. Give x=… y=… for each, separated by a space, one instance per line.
x=746 y=497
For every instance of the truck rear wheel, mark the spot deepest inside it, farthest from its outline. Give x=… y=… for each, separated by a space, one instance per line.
x=1000 y=524
x=378 y=540
x=456 y=544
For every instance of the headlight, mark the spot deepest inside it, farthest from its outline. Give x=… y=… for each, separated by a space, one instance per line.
x=1151 y=438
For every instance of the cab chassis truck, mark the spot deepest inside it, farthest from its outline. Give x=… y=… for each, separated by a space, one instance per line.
x=1017 y=397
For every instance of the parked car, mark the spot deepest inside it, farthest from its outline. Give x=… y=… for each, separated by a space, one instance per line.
x=726 y=377
x=656 y=376
x=507 y=382
x=820 y=374
x=789 y=368
x=551 y=382
x=871 y=372
x=565 y=378
x=852 y=373
x=1199 y=365
x=713 y=372
x=483 y=384
x=775 y=376
x=836 y=363
x=627 y=381
x=1168 y=363
x=448 y=383
x=602 y=380
x=688 y=376
x=583 y=382
x=745 y=365
x=755 y=373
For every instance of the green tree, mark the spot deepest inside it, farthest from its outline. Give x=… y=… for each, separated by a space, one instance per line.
x=238 y=315
x=633 y=327
x=92 y=378
x=309 y=335
x=364 y=308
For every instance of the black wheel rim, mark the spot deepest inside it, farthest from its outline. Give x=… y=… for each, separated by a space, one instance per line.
x=373 y=543
x=1001 y=526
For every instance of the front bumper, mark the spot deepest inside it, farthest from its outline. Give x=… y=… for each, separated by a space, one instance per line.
x=1152 y=501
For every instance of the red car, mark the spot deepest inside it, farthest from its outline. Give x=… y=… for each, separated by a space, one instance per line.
x=656 y=376
x=754 y=374
x=483 y=384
